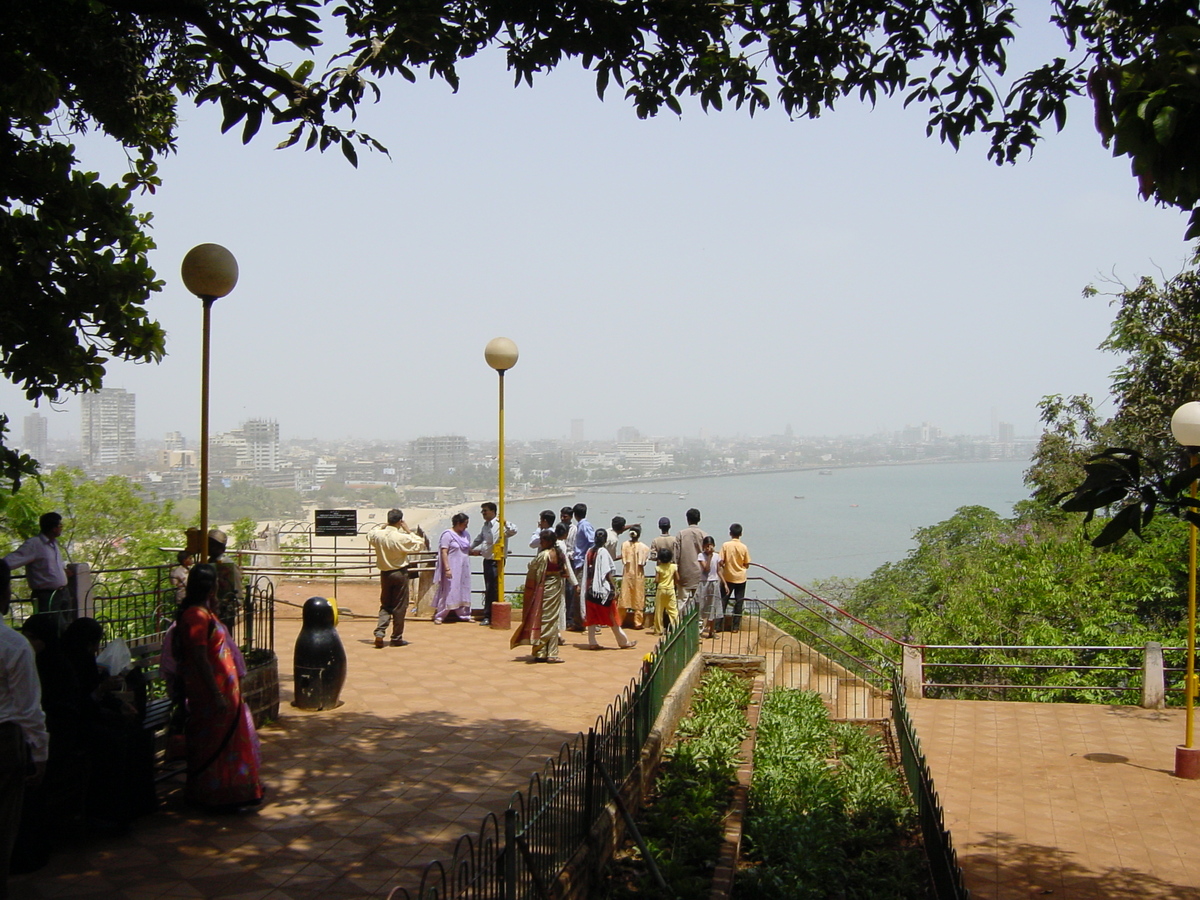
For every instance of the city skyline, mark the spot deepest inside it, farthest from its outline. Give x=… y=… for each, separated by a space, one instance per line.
x=177 y=440
x=845 y=275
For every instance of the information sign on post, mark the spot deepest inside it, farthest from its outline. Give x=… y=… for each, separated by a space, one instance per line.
x=335 y=522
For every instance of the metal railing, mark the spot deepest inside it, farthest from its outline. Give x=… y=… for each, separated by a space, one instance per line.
x=1075 y=673
x=139 y=604
x=521 y=852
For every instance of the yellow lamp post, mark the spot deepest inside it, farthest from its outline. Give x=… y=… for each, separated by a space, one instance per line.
x=209 y=271
x=1185 y=426
x=501 y=355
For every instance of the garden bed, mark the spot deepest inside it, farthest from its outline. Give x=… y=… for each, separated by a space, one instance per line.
x=682 y=822
x=829 y=813
x=828 y=816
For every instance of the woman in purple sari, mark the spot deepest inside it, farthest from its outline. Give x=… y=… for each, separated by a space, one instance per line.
x=453 y=573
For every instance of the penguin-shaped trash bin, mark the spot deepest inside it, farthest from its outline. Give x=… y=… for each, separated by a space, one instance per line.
x=320 y=659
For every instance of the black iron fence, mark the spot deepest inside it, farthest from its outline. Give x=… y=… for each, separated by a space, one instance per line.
x=939 y=848
x=521 y=852
x=139 y=604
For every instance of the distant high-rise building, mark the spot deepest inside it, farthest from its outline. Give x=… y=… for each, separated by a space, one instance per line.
x=439 y=455
x=108 y=435
x=35 y=435
x=262 y=444
x=628 y=434
x=577 y=431
x=174 y=441
x=1007 y=432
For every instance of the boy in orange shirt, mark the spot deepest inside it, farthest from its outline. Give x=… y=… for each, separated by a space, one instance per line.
x=735 y=559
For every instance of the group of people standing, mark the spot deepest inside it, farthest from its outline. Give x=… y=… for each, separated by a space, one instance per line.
x=572 y=582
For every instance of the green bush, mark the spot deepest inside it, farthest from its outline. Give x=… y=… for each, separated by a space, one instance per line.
x=682 y=823
x=828 y=816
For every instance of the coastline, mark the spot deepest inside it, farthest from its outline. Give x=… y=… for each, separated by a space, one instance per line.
x=649 y=479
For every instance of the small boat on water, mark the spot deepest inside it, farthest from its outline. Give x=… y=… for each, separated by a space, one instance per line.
x=825 y=472
x=798 y=497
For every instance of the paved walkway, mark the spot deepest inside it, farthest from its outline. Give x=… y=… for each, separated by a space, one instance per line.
x=1064 y=801
x=429 y=739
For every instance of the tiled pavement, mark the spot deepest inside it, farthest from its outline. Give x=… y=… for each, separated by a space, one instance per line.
x=1065 y=801
x=429 y=739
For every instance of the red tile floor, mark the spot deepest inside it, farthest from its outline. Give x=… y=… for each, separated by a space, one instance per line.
x=1064 y=801
x=1061 y=801
x=429 y=738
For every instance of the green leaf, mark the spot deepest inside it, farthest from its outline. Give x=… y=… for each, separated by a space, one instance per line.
x=1164 y=124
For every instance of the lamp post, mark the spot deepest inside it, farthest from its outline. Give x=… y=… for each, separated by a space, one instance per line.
x=209 y=271
x=1185 y=426
x=501 y=355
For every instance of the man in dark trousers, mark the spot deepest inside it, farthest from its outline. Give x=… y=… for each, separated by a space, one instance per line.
x=485 y=545
x=393 y=543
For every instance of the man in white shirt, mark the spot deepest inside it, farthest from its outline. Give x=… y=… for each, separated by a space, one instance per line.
x=42 y=558
x=392 y=544
x=545 y=523
x=24 y=742
x=574 y=594
x=484 y=545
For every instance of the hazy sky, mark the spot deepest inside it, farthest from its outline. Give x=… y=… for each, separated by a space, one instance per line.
x=710 y=273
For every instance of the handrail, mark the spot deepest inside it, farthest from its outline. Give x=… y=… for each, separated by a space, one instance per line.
x=833 y=606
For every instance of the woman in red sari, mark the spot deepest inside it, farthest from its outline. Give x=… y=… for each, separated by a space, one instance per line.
x=222 y=746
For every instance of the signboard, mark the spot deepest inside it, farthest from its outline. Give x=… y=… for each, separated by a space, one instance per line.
x=335 y=522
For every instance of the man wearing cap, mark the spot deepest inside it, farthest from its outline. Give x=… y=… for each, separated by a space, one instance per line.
x=42 y=558
x=229 y=579
x=689 y=542
x=392 y=544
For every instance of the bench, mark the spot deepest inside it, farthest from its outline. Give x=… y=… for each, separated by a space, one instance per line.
x=154 y=707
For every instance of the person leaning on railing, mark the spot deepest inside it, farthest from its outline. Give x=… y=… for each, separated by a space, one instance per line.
x=41 y=556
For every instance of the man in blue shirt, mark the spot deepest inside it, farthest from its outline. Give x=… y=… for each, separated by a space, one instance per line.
x=585 y=536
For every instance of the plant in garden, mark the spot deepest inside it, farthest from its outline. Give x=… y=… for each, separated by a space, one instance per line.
x=682 y=823
x=828 y=817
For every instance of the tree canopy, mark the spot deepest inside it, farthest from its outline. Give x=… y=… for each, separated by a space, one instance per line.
x=73 y=250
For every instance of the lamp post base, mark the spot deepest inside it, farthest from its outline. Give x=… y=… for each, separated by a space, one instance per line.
x=1187 y=762
x=501 y=616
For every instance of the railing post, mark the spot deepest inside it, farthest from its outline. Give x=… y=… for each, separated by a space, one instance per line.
x=912 y=671
x=509 y=855
x=248 y=615
x=589 y=782
x=79 y=584
x=1154 y=687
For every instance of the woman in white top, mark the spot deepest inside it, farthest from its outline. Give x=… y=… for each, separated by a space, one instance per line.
x=601 y=586
x=708 y=591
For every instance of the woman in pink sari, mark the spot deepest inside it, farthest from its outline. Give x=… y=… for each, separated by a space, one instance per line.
x=453 y=573
x=222 y=747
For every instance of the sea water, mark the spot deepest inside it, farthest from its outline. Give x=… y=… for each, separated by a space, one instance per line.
x=805 y=525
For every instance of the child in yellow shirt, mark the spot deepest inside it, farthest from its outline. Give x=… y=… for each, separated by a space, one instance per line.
x=666 y=579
